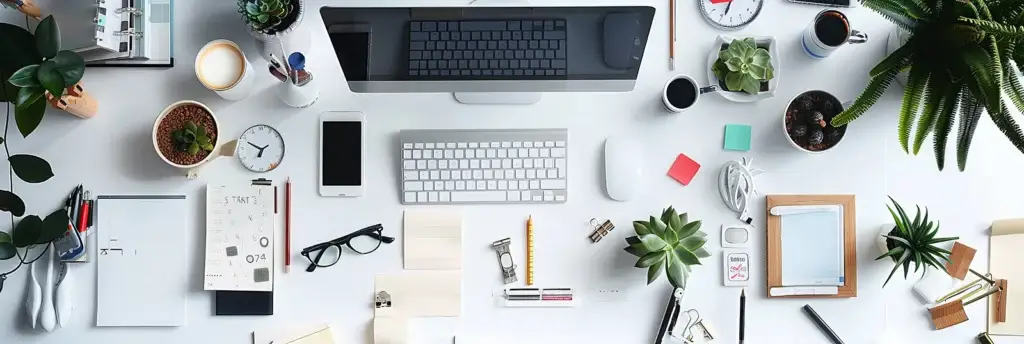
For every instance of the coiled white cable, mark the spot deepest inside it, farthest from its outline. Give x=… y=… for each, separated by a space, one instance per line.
x=736 y=185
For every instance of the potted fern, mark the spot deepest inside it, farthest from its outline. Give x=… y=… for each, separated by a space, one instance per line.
x=909 y=242
x=746 y=69
x=961 y=56
x=269 y=20
x=671 y=242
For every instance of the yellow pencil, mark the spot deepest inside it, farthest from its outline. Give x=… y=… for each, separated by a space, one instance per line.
x=529 y=250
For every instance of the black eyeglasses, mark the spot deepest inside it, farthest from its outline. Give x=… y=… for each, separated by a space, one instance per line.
x=362 y=241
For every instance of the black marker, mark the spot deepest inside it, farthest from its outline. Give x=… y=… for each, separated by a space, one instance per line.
x=822 y=325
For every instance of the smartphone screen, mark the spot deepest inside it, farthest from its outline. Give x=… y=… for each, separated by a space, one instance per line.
x=341 y=147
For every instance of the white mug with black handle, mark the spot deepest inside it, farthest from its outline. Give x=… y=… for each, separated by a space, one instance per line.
x=681 y=93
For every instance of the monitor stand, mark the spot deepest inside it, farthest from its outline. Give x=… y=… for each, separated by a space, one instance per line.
x=498 y=98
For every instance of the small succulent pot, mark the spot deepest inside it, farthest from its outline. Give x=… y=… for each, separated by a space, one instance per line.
x=186 y=135
x=766 y=89
x=881 y=241
x=807 y=122
x=285 y=26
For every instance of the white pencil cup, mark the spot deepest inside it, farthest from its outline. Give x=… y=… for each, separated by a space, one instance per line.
x=298 y=96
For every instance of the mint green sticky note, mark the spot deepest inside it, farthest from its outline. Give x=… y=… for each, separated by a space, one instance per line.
x=737 y=137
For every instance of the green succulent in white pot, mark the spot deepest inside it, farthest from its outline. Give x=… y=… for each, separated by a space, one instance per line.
x=671 y=243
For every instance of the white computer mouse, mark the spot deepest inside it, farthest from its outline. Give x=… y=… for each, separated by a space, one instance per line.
x=623 y=168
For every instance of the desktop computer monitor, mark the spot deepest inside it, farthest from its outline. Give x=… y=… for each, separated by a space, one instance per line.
x=485 y=53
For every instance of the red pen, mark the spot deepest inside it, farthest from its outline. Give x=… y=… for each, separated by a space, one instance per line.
x=288 y=224
x=84 y=218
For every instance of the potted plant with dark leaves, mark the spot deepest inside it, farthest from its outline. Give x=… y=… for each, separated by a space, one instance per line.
x=962 y=58
x=36 y=67
x=269 y=20
x=30 y=235
x=807 y=122
x=909 y=242
x=670 y=242
x=744 y=69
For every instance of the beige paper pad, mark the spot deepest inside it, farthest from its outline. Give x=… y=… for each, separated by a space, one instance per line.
x=297 y=334
x=388 y=330
x=420 y=294
x=1005 y=257
x=433 y=239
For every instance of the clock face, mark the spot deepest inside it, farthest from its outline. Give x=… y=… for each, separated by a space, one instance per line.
x=730 y=14
x=261 y=148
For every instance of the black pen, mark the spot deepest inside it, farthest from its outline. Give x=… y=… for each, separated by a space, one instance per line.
x=743 y=312
x=822 y=325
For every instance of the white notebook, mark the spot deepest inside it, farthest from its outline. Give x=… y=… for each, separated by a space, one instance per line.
x=812 y=245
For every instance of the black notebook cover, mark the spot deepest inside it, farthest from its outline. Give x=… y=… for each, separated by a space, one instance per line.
x=244 y=303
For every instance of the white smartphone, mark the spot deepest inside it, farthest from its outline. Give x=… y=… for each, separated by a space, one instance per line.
x=341 y=154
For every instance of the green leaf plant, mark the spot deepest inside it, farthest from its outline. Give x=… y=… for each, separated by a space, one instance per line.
x=32 y=66
x=671 y=243
x=192 y=139
x=743 y=66
x=29 y=66
x=913 y=242
x=265 y=16
x=961 y=59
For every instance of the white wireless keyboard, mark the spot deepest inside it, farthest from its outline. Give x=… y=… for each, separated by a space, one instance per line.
x=484 y=166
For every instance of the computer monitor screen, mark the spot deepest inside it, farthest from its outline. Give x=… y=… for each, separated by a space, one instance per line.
x=489 y=49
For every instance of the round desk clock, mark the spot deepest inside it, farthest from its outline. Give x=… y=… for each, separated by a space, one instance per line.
x=730 y=14
x=260 y=148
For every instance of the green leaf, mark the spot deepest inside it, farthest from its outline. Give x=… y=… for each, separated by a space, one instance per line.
x=30 y=168
x=7 y=250
x=893 y=252
x=191 y=126
x=641 y=227
x=203 y=140
x=54 y=226
x=71 y=67
x=896 y=266
x=51 y=80
x=28 y=231
x=734 y=81
x=652 y=242
x=684 y=219
x=26 y=77
x=693 y=243
x=4 y=237
x=8 y=92
x=702 y=252
x=734 y=64
x=685 y=256
x=689 y=229
x=671 y=237
x=29 y=95
x=47 y=37
x=28 y=118
x=637 y=250
x=649 y=259
x=751 y=85
x=658 y=227
x=933 y=100
x=916 y=83
x=675 y=269
x=944 y=123
x=193 y=148
x=758 y=72
x=672 y=219
x=11 y=203
x=871 y=94
x=654 y=271
x=19 y=49
x=762 y=58
x=263 y=17
x=207 y=147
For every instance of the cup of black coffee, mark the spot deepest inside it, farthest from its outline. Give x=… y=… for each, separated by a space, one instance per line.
x=829 y=30
x=681 y=92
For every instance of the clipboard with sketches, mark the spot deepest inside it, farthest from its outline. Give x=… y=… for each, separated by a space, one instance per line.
x=812 y=246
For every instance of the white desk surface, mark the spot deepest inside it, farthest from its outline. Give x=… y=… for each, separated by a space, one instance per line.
x=113 y=154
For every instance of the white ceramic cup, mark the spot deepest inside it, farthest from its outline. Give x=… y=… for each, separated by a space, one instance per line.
x=814 y=47
x=221 y=66
x=192 y=171
x=696 y=89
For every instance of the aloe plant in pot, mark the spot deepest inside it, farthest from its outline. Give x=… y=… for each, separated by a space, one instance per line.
x=670 y=242
x=912 y=242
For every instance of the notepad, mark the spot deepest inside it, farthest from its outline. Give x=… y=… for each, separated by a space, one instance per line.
x=812 y=245
x=433 y=239
x=419 y=294
x=737 y=137
x=1005 y=256
x=239 y=238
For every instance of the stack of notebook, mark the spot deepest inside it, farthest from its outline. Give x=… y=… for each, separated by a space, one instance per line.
x=118 y=32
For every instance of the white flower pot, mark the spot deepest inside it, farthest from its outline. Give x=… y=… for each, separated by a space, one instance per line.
x=743 y=97
x=192 y=171
x=300 y=7
x=880 y=240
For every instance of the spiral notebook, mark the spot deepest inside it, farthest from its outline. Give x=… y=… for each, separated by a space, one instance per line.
x=118 y=32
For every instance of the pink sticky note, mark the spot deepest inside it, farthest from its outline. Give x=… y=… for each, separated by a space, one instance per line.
x=683 y=169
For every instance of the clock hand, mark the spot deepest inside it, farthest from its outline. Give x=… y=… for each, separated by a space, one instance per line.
x=727 y=7
x=255 y=146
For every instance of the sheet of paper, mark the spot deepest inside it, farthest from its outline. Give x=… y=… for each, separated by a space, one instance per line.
x=1004 y=260
x=433 y=239
x=290 y=334
x=141 y=275
x=683 y=169
x=812 y=248
x=239 y=238
x=420 y=293
x=390 y=330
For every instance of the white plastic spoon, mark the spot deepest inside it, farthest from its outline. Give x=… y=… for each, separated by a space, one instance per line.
x=48 y=314
x=34 y=299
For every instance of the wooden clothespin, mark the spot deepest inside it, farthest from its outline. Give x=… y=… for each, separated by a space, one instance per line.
x=951 y=311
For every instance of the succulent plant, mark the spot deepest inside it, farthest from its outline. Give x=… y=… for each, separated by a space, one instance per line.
x=264 y=15
x=800 y=130
x=913 y=242
x=805 y=103
x=671 y=242
x=744 y=66
x=817 y=119
x=191 y=139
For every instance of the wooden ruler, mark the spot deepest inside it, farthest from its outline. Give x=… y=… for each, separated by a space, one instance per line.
x=529 y=251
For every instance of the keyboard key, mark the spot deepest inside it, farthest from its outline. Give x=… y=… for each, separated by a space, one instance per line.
x=544 y=152
x=429 y=26
x=485 y=164
x=525 y=195
x=432 y=197
x=435 y=175
x=534 y=184
x=410 y=197
x=424 y=175
x=421 y=164
x=554 y=34
x=438 y=186
x=428 y=186
x=442 y=26
x=414 y=26
x=413 y=186
x=549 y=196
x=486 y=35
x=558 y=152
x=483 y=26
x=431 y=164
x=421 y=197
x=460 y=185
x=446 y=175
x=410 y=175
x=479 y=196
x=513 y=196
x=531 y=174
x=542 y=174
x=445 y=196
